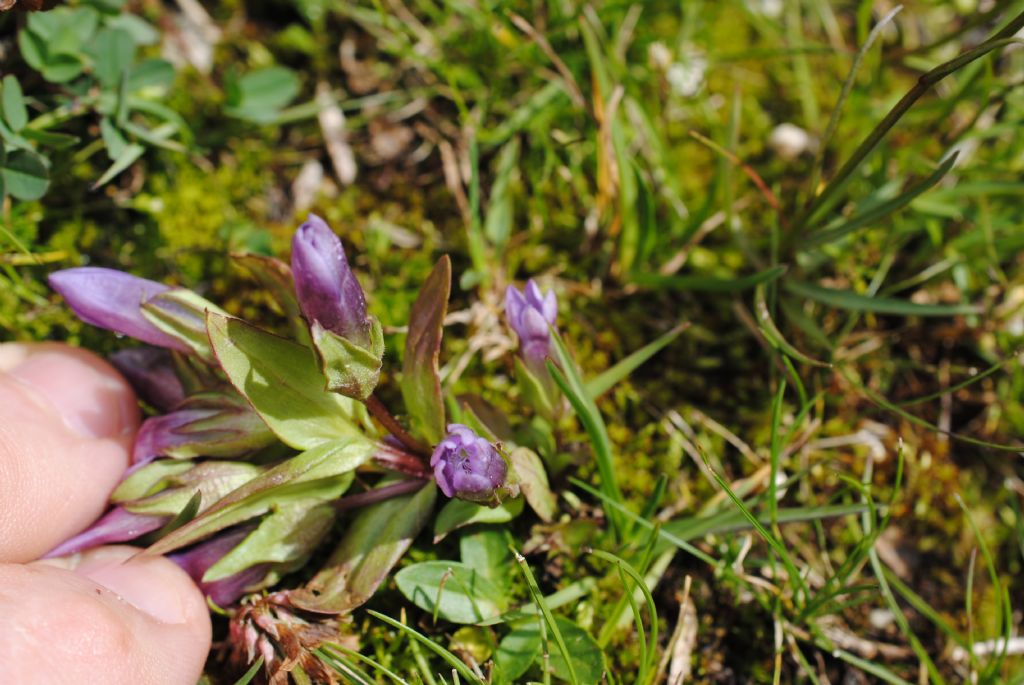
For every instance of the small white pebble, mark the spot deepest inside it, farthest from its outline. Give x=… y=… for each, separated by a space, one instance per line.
x=880 y=619
x=686 y=77
x=659 y=55
x=789 y=141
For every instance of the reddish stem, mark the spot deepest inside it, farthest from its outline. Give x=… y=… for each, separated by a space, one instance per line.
x=394 y=459
x=379 y=495
x=381 y=413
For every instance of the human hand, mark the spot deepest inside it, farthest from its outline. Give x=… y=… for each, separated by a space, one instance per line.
x=67 y=420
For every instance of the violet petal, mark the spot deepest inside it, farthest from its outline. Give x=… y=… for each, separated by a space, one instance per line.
x=327 y=290
x=151 y=373
x=113 y=300
x=468 y=466
x=117 y=525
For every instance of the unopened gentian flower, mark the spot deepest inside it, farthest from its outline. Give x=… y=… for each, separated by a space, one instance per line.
x=117 y=525
x=150 y=372
x=198 y=559
x=113 y=300
x=327 y=290
x=531 y=314
x=469 y=467
x=213 y=424
x=151 y=496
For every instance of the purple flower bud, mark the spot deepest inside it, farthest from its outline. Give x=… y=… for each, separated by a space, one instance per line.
x=118 y=525
x=159 y=435
x=208 y=425
x=198 y=559
x=151 y=374
x=113 y=300
x=468 y=467
x=328 y=291
x=530 y=314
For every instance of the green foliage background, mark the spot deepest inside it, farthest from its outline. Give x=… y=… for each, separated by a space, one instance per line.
x=569 y=141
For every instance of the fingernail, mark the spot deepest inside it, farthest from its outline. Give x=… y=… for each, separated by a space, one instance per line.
x=140 y=583
x=93 y=401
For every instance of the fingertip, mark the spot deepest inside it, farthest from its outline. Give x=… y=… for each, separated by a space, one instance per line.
x=104 y=615
x=66 y=423
x=86 y=392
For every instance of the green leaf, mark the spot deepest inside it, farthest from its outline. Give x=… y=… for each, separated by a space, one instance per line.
x=275 y=277
x=458 y=513
x=373 y=543
x=856 y=302
x=26 y=175
x=113 y=139
x=128 y=156
x=349 y=369
x=456 y=592
x=321 y=474
x=33 y=49
x=57 y=141
x=283 y=383
x=182 y=314
x=113 y=52
x=604 y=381
x=421 y=381
x=259 y=95
x=586 y=655
x=15 y=111
x=567 y=376
x=841 y=228
x=707 y=284
x=286 y=538
x=62 y=68
x=498 y=223
x=517 y=651
x=452 y=660
x=486 y=550
x=140 y=30
x=150 y=73
x=534 y=390
x=773 y=335
x=533 y=482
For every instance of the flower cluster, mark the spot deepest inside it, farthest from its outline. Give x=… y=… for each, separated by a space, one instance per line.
x=234 y=404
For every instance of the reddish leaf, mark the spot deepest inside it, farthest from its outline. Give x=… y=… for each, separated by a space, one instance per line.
x=421 y=382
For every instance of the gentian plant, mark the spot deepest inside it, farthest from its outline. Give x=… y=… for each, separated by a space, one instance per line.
x=257 y=441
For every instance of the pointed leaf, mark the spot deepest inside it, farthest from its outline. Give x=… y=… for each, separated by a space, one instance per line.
x=127 y=156
x=533 y=482
x=282 y=381
x=421 y=382
x=773 y=335
x=374 y=542
x=320 y=474
x=879 y=211
x=603 y=382
x=458 y=513
x=856 y=302
x=14 y=108
x=287 y=536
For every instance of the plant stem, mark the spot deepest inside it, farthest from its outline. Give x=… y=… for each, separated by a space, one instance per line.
x=394 y=459
x=381 y=413
x=379 y=495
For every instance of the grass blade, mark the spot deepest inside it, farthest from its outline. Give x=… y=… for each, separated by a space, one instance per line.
x=452 y=660
x=604 y=381
x=856 y=302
